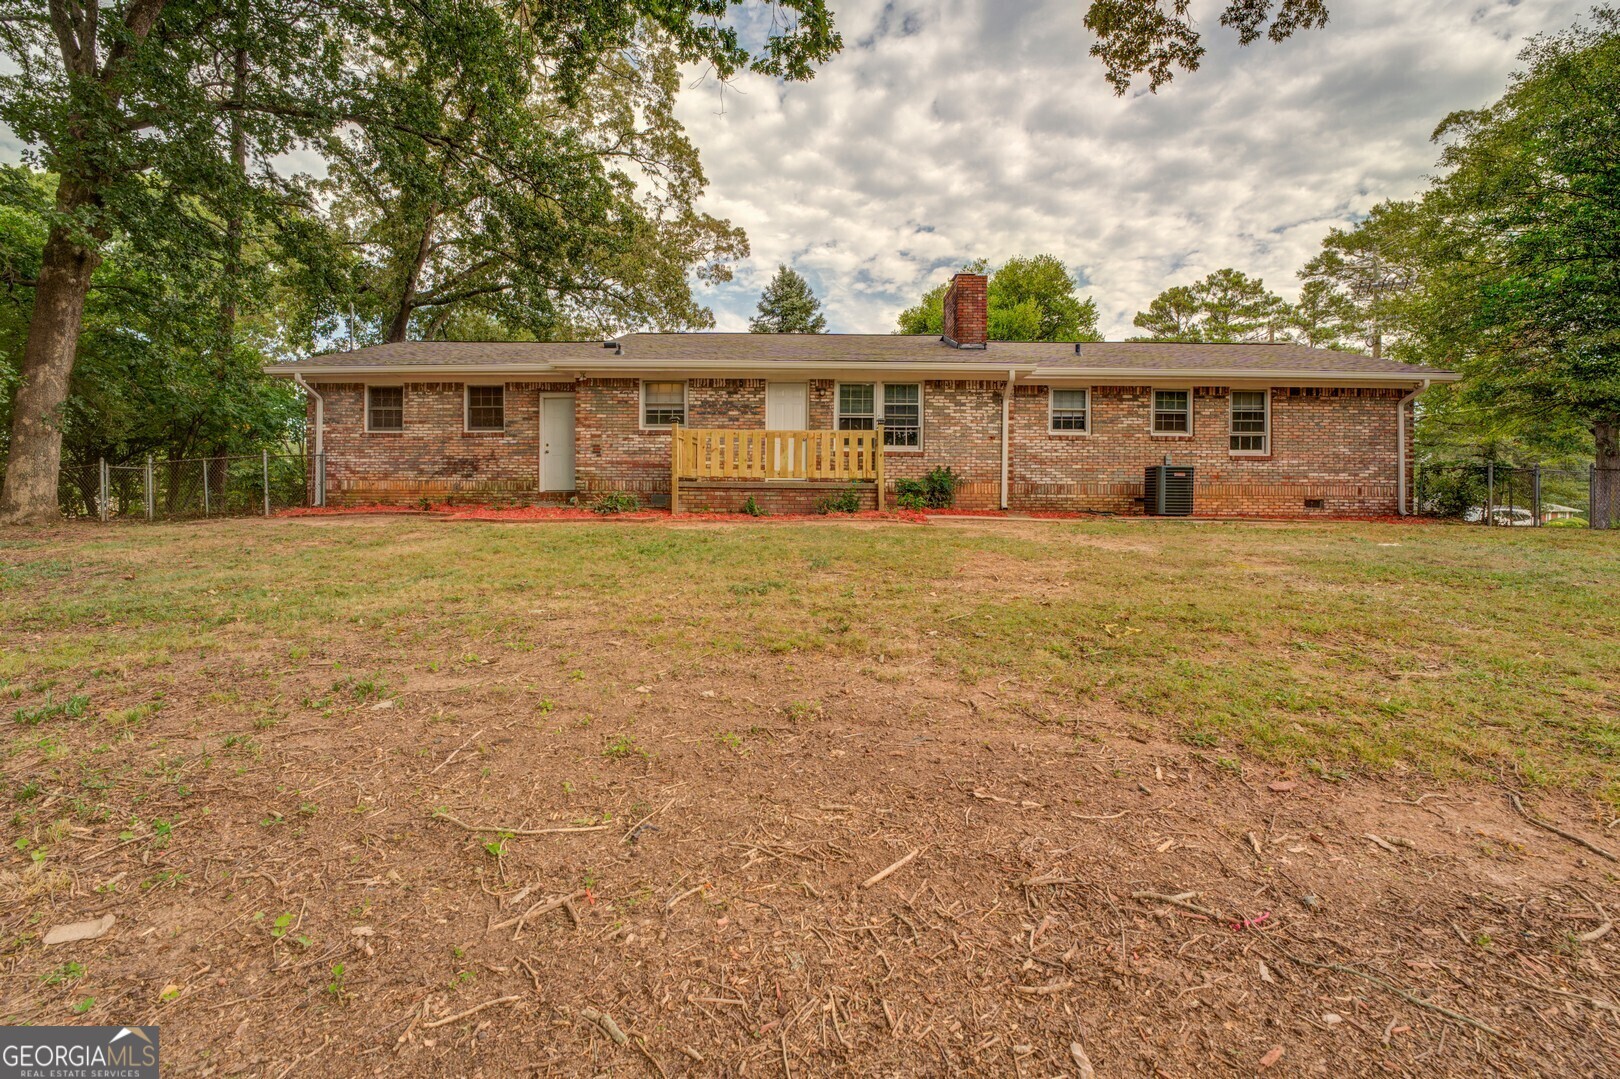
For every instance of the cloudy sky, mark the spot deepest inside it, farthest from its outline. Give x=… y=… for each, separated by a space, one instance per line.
x=954 y=129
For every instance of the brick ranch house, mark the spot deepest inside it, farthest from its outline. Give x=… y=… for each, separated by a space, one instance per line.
x=1270 y=428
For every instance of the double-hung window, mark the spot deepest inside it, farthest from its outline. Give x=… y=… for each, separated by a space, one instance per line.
x=486 y=408
x=1250 y=426
x=1172 y=412
x=1071 y=411
x=663 y=403
x=385 y=408
x=861 y=405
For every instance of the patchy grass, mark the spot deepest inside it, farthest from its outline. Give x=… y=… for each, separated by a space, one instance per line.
x=1450 y=650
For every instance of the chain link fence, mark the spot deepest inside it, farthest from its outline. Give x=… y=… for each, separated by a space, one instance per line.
x=1496 y=495
x=195 y=487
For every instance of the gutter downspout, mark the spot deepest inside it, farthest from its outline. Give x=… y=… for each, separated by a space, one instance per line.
x=320 y=426
x=1400 y=446
x=1006 y=426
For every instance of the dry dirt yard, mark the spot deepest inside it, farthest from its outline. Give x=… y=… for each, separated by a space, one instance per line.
x=416 y=797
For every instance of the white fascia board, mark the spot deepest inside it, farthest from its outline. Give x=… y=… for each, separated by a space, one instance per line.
x=420 y=372
x=1116 y=375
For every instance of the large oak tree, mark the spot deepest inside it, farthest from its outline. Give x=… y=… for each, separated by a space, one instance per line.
x=158 y=117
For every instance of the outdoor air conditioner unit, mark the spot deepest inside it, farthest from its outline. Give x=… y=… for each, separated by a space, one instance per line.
x=1167 y=490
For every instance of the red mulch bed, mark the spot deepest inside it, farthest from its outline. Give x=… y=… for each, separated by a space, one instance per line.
x=579 y=513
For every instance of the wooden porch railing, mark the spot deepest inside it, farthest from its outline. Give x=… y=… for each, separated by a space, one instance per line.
x=700 y=454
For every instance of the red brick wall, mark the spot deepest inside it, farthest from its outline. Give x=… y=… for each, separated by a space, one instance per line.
x=433 y=456
x=967 y=310
x=961 y=428
x=1334 y=445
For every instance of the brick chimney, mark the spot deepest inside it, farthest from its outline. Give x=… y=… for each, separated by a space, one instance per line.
x=967 y=311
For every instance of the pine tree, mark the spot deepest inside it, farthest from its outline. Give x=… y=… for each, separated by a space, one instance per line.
x=788 y=306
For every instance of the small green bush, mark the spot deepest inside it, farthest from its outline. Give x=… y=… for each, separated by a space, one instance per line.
x=940 y=487
x=910 y=500
x=1567 y=522
x=616 y=502
x=843 y=502
x=751 y=507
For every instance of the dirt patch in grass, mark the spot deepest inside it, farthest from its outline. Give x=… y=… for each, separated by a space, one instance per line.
x=322 y=787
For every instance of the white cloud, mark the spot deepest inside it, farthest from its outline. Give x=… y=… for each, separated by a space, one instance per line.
x=950 y=129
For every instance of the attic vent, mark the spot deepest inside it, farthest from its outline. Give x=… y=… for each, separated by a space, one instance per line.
x=610 y=343
x=1167 y=490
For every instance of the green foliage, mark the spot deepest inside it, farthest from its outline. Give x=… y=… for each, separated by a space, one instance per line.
x=71 y=708
x=616 y=502
x=546 y=132
x=910 y=494
x=1135 y=37
x=750 y=506
x=788 y=306
x=1030 y=299
x=1519 y=286
x=1225 y=306
x=848 y=501
x=939 y=487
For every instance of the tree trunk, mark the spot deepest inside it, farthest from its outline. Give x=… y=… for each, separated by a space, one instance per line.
x=401 y=324
x=29 y=495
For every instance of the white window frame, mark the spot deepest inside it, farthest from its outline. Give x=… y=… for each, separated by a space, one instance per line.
x=1051 y=411
x=1153 y=412
x=466 y=408
x=641 y=403
x=400 y=386
x=877 y=407
x=1265 y=436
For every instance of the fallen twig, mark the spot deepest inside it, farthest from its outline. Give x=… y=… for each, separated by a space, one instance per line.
x=1043 y=990
x=1555 y=830
x=541 y=907
x=447 y=1020
x=502 y=829
x=1387 y=986
x=884 y=874
x=457 y=750
x=1594 y=1001
x=1181 y=899
x=605 y=1021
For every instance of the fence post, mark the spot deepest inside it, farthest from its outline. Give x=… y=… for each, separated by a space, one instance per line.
x=1535 y=492
x=1490 y=493
x=101 y=497
x=150 y=501
x=206 y=462
x=1591 y=498
x=265 y=461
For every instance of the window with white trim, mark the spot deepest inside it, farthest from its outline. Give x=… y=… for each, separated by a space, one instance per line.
x=385 y=408
x=898 y=404
x=663 y=403
x=1172 y=412
x=486 y=408
x=1071 y=411
x=1250 y=421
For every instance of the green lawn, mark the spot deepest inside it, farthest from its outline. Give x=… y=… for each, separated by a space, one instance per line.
x=1447 y=650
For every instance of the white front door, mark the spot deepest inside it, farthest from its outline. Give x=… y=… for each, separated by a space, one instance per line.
x=557 y=443
x=787 y=408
